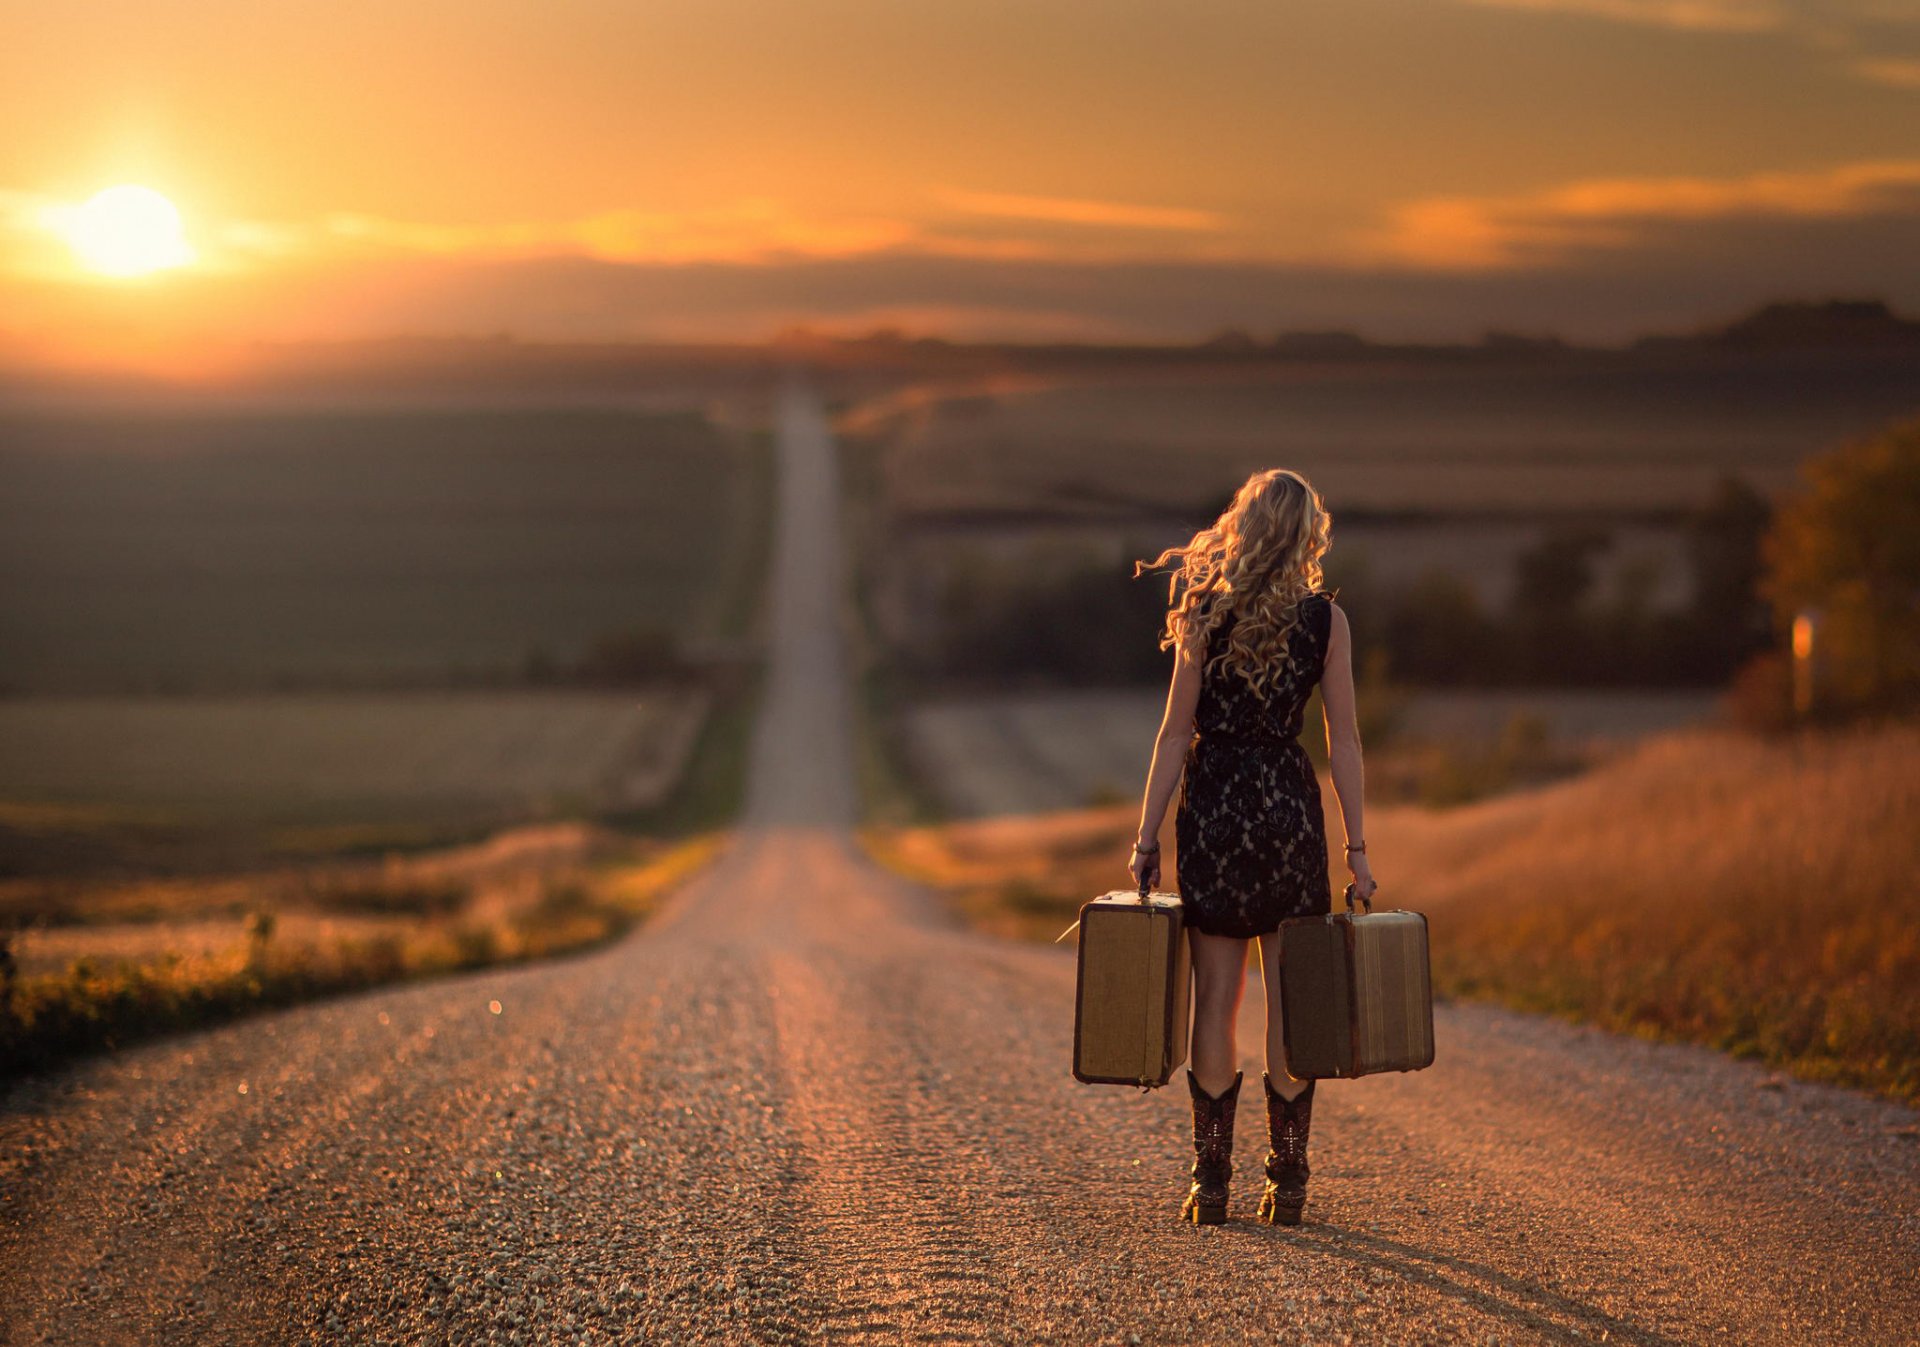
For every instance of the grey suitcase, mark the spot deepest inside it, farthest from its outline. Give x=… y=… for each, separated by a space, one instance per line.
x=1357 y=992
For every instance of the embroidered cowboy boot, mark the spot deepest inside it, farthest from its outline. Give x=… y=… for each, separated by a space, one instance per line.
x=1212 y=1152
x=1287 y=1125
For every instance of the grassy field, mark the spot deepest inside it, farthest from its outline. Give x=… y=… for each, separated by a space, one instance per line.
x=115 y=962
x=319 y=759
x=235 y=635
x=211 y=551
x=1022 y=753
x=1394 y=436
x=208 y=784
x=1448 y=475
x=289 y=689
x=1751 y=894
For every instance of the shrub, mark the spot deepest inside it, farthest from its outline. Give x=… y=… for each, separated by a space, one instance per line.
x=1760 y=698
x=1848 y=548
x=385 y=897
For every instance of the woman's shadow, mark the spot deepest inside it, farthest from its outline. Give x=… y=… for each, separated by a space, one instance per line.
x=1522 y=1302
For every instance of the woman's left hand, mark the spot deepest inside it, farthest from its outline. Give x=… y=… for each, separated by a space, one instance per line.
x=1361 y=869
x=1145 y=869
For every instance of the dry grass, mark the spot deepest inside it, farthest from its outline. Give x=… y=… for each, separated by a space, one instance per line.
x=1755 y=895
x=1023 y=876
x=79 y=907
x=83 y=987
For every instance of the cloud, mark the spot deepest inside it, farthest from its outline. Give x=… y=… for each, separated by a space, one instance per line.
x=1690 y=273
x=748 y=232
x=1451 y=233
x=1902 y=72
x=30 y=246
x=1852 y=33
x=1595 y=258
x=1699 y=270
x=754 y=230
x=1722 y=16
x=1071 y=210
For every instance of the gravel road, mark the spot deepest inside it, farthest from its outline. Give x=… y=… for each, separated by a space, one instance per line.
x=803 y=1106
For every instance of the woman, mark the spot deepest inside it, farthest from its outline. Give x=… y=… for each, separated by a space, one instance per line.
x=1253 y=633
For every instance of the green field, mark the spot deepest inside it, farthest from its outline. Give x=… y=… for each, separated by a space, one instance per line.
x=215 y=551
x=286 y=690
x=1623 y=434
x=236 y=635
x=318 y=759
x=1564 y=520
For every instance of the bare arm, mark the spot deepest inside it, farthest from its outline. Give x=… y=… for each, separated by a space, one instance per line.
x=1169 y=757
x=1343 y=745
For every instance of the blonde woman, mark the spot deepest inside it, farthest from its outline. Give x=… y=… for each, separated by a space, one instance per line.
x=1253 y=633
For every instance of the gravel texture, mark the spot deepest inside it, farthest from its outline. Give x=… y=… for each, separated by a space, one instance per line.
x=802 y=1106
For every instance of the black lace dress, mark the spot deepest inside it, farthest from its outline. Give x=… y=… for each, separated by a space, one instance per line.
x=1251 y=835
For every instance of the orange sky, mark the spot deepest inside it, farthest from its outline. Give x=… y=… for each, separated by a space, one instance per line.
x=1099 y=167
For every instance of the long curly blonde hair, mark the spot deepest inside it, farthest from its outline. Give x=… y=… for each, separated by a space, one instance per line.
x=1256 y=562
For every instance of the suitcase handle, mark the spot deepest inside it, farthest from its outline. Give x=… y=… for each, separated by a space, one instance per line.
x=1144 y=894
x=1352 y=893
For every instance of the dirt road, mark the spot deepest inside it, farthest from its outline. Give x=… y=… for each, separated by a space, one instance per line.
x=802 y=1106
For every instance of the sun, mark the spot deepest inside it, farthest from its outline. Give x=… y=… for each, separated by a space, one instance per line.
x=126 y=231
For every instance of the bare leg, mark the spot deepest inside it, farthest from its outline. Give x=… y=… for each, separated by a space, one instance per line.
x=1219 y=975
x=1287 y=1086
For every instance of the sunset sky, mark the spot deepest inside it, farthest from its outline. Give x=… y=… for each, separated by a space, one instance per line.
x=1096 y=168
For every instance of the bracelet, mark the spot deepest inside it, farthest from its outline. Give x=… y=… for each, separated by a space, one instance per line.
x=1153 y=850
x=1360 y=847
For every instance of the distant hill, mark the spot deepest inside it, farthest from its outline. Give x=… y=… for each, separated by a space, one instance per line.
x=1784 y=325
x=1804 y=323
x=503 y=365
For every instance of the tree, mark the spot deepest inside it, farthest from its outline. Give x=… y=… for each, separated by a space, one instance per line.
x=1553 y=581
x=1439 y=632
x=1723 y=545
x=1554 y=577
x=1727 y=621
x=1847 y=547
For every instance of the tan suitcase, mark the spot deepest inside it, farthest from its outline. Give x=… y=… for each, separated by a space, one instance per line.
x=1357 y=992
x=1132 y=1004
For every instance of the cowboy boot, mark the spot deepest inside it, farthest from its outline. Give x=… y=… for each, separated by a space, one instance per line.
x=1212 y=1152
x=1287 y=1124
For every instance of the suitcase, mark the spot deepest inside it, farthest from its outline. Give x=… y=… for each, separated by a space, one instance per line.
x=1132 y=1000
x=1357 y=992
